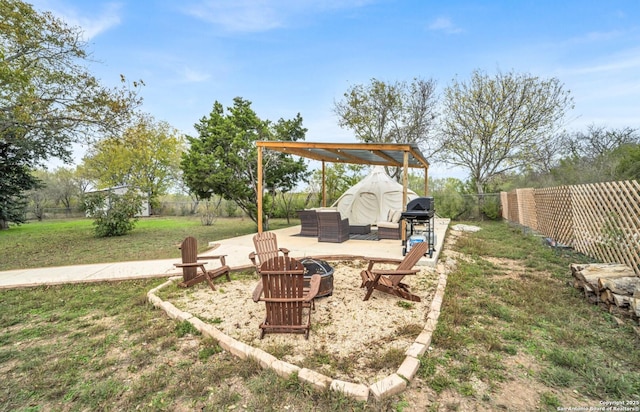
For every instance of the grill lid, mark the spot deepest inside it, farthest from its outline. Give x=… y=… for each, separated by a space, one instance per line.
x=420 y=204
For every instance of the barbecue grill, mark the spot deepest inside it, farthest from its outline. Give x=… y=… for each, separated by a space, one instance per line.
x=420 y=211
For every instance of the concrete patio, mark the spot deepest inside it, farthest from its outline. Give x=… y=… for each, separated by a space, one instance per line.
x=237 y=250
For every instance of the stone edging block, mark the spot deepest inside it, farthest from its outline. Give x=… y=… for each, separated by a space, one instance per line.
x=389 y=386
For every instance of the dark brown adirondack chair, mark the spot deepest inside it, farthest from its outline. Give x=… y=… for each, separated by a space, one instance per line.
x=191 y=262
x=287 y=301
x=389 y=281
x=266 y=245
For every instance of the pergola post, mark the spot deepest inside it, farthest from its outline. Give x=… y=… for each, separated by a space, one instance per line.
x=324 y=186
x=259 y=212
x=426 y=181
x=405 y=185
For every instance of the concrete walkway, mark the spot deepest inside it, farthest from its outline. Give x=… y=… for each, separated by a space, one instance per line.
x=237 y=250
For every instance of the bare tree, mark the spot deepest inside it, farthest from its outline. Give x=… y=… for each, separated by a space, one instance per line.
x=597 y=141
x=397 y=112
x=496 y=125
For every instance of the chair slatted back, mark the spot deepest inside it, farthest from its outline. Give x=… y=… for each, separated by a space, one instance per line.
x=417 y=251
x=189 y=251
x=283 y=278
x=266 y=245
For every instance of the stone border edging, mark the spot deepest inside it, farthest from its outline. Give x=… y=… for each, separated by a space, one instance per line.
x=389 y=386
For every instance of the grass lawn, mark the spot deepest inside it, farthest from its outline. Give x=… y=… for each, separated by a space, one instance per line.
x=69 y=242
x=511 y=325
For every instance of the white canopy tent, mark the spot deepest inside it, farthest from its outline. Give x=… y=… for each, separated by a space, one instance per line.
x=370 y=200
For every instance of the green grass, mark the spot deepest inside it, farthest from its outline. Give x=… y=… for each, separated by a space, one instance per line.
x=67 y=242
x=491 y=313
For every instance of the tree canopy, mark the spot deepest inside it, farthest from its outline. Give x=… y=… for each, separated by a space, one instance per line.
x=494 y=125
x=393 y=112
x=598 y=154
x=146 y=156
x=48 y=99
x=222 y=160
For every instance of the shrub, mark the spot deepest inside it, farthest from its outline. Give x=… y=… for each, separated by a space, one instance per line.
x=491 y=207
x=114 y=215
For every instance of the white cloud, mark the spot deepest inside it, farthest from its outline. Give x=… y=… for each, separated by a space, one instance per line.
x=254 y=16
x=190 y=75
x=444 y=24
x=109 y=17
x=630 y=61
x=92 y=26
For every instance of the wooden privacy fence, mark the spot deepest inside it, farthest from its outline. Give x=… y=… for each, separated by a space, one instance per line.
x=601 y=220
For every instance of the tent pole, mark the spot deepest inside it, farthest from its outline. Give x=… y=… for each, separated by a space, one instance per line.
x=259 y=211
x=324 y=186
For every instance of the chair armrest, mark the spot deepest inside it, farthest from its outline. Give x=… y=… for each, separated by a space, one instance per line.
x=257 y=292
x=189 y=265
x=222 y=258
x=375 y=260
x=212 y=257
x=284 y=251
x=395 y=272
x=314 y=287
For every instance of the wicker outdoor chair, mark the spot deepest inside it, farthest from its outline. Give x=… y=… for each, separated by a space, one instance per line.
x=308 y=222
x=332 y=227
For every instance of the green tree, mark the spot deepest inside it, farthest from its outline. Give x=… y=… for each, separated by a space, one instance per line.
x=15 y=182
x=65 y=187
x=448 y=198
x=338 y=178
x=146 y=157
x=393 y=112
x=628 y=167
x=222 y=160
x=596 y=155
x=496 y=125
x=48 y=99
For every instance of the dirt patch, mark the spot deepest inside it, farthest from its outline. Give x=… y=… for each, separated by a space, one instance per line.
x=349 y=335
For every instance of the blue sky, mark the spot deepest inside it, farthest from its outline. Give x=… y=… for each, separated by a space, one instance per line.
x=300 y=56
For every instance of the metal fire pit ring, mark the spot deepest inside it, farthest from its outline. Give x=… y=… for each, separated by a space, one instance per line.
x=322 y=268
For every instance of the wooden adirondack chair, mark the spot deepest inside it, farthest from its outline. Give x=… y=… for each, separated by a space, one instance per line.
x=191 y=262
x=287 y=302
x=389 y=281
x=266 y=245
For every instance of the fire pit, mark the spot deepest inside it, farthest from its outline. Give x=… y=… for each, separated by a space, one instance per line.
x=322 y=268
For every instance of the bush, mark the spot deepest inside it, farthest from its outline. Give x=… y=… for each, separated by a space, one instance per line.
x=491 y=207
x=114 y=215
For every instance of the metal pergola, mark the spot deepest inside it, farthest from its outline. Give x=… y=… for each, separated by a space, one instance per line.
x=403 y=155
